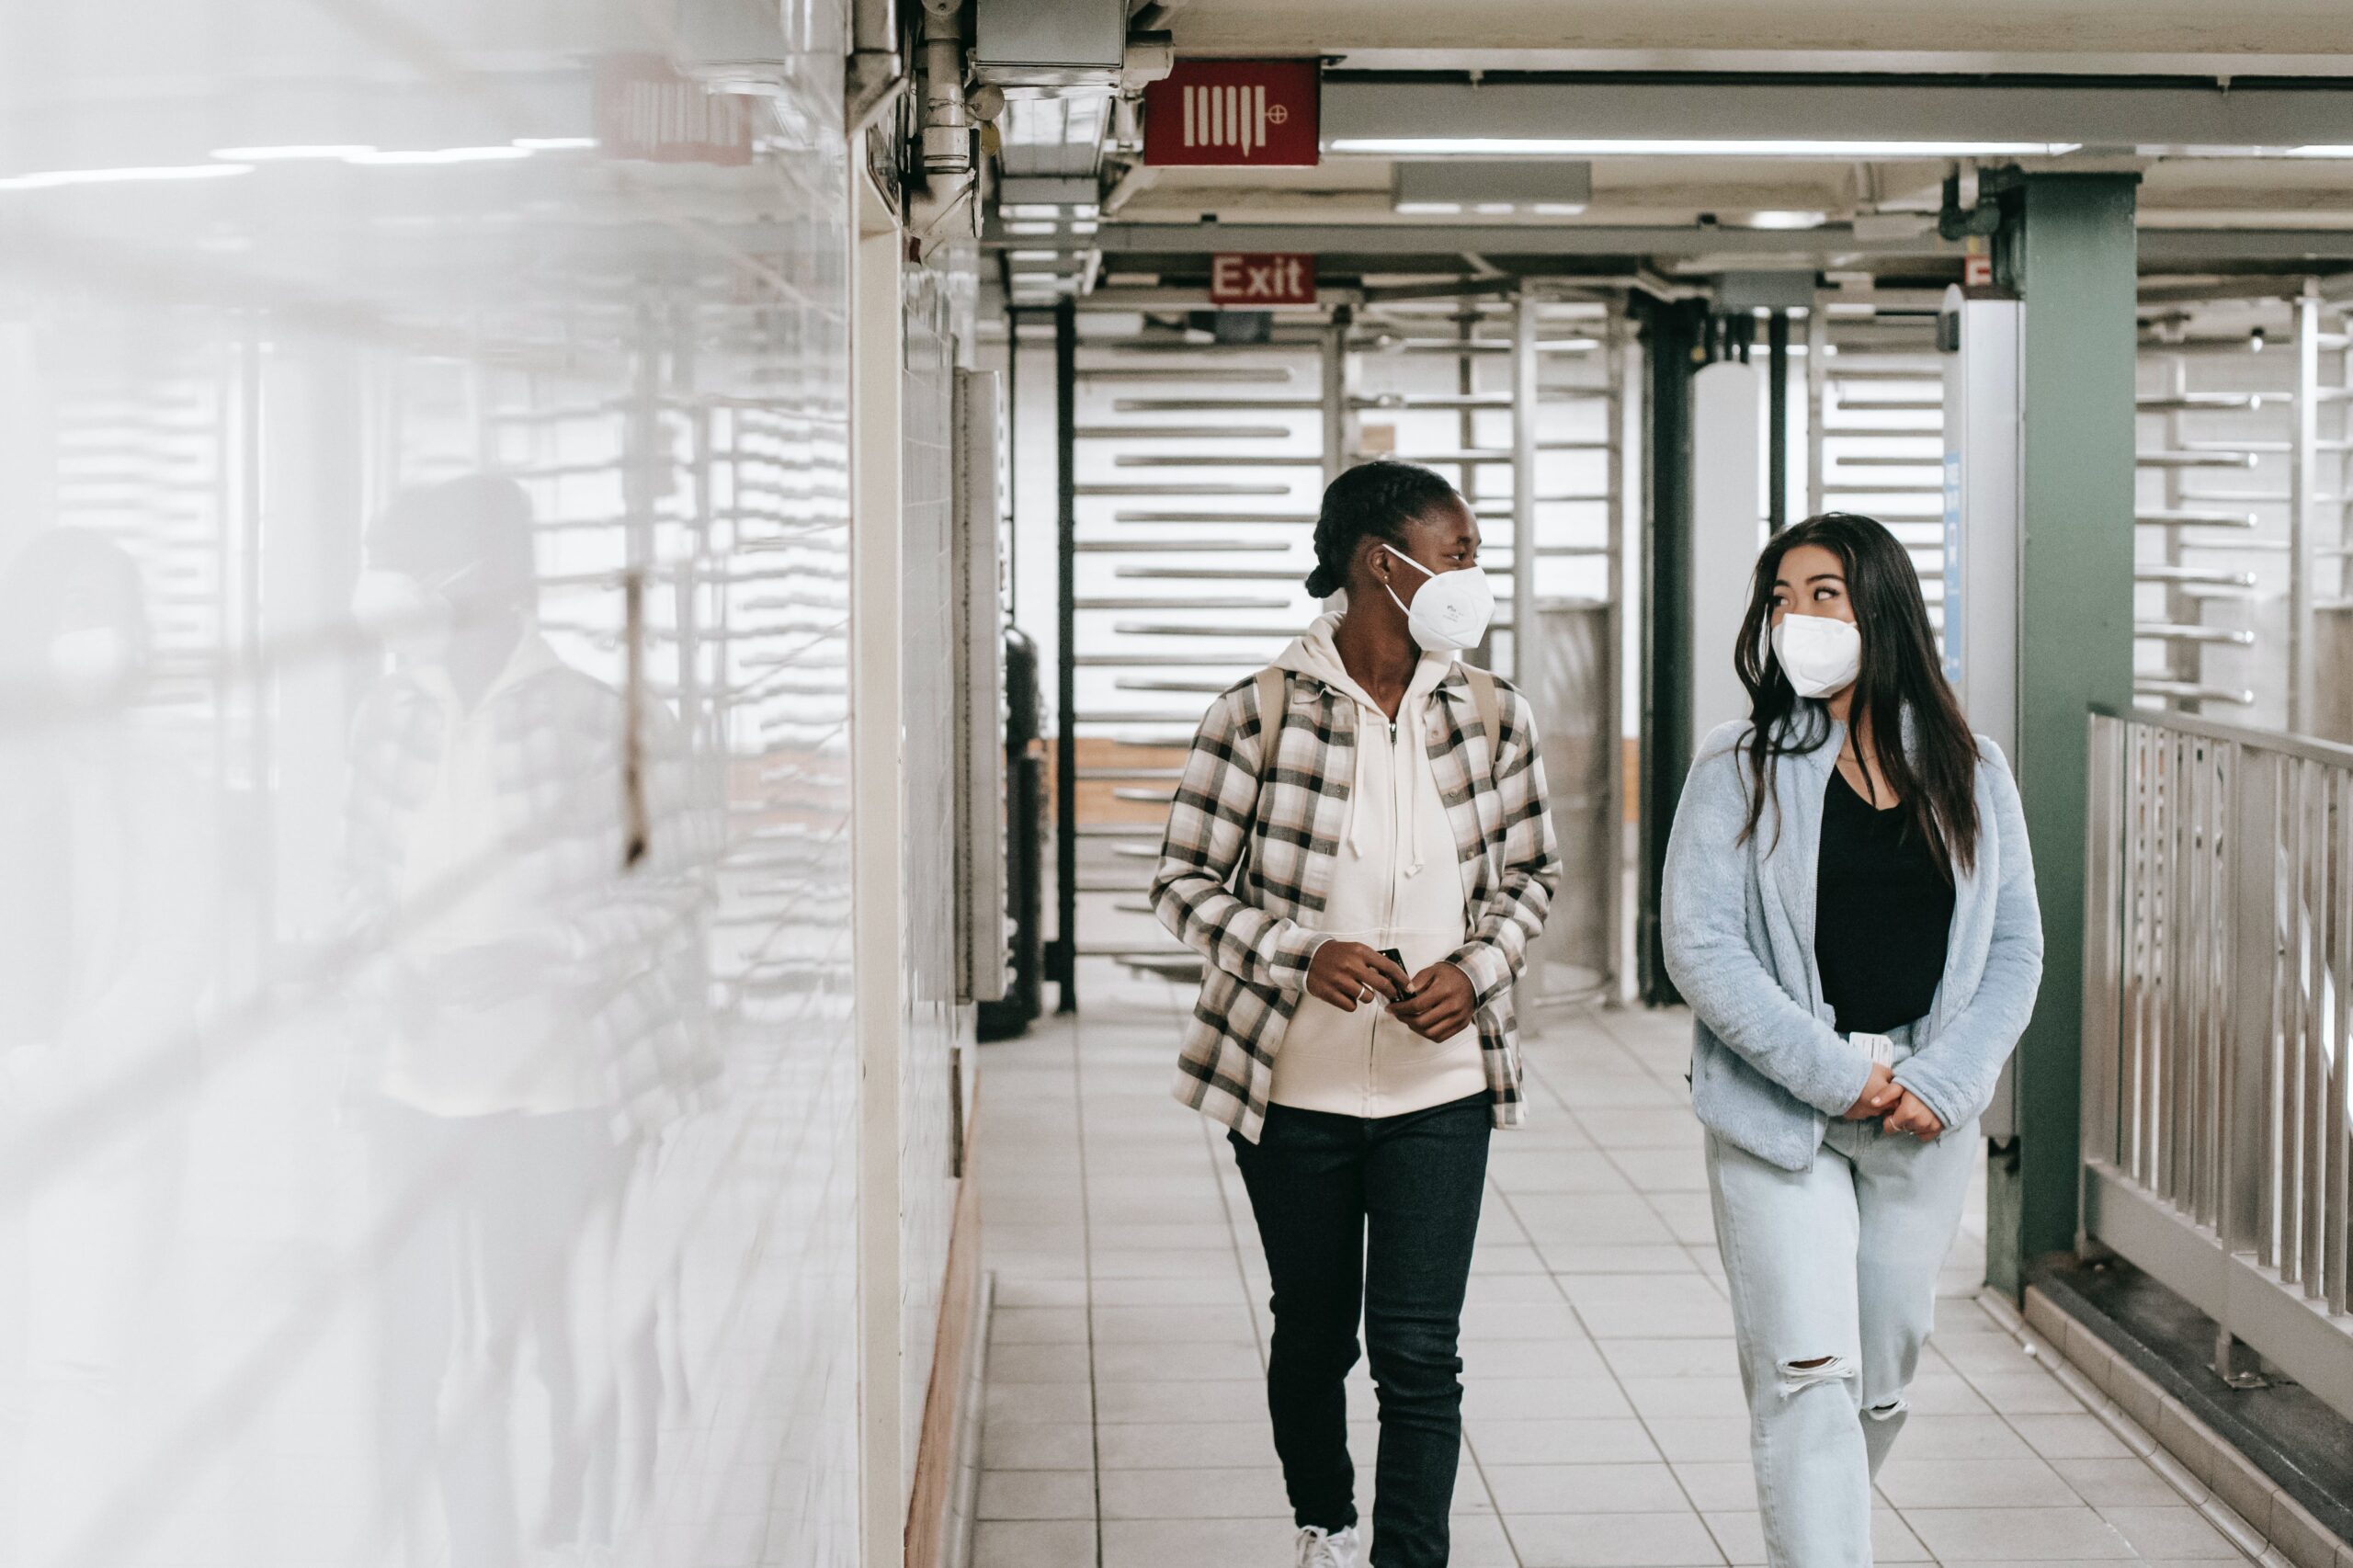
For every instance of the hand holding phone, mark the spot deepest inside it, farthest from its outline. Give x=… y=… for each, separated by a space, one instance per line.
x=1438 y=1002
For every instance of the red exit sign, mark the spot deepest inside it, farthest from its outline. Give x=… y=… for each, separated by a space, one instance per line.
x=1238 y=279
x=1260 y=113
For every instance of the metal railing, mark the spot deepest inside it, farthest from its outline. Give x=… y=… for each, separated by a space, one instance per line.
x=2219 y=949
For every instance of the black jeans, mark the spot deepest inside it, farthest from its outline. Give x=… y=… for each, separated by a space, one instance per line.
x=1373 y=1216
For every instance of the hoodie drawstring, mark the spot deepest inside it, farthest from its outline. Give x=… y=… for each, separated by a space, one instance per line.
x=1408 y=784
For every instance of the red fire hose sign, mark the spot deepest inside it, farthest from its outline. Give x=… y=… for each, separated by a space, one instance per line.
x=1254 y=112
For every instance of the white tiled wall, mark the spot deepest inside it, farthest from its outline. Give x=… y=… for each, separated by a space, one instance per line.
x=394 y=1170
x=936 y=1025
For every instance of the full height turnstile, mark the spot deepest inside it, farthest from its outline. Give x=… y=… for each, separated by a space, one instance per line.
x=1196 y=469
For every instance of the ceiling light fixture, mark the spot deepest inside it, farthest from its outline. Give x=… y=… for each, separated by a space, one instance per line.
x=439 y=155
x=1779 y=220
x=556 y=143
x=52 y=180
x=294 y=153
x=1595 y=147
x=1493 y=190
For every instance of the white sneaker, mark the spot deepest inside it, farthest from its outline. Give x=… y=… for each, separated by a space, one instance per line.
x=1319 y=1547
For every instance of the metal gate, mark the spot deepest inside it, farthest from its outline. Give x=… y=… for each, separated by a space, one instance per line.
x=1875 y=426
x=2219 y=950
x=1192 y=470
x=2242 y=508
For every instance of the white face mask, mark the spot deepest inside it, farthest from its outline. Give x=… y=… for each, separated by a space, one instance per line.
x=1818 y=653
x=1453 y=608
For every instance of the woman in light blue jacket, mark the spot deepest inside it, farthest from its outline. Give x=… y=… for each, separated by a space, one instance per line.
x=1850 y=909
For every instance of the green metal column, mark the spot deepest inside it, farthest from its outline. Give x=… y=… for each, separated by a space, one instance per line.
x=2067 y=243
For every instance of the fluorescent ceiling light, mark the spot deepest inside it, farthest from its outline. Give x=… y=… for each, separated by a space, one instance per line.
x=1031 y=226
x=1787 y=220
x=2209 y=149
x=1492 y=188
x=1490 y=208
x=556 y=143
x=440 y=155
x=1046 y=255
x=294 y=153
x=1589 y=147
x=1047 y=209
x=51 y=179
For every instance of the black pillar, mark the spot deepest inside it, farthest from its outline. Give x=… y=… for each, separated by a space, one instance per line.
x=1675 y=336
x=1066 y=657
x=1777 y=420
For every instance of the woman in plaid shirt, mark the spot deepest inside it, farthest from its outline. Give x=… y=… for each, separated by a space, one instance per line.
x=1355 y=1031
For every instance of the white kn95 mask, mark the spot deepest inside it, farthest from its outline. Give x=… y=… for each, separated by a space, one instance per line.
x=1452 y=609
x=1819 y=655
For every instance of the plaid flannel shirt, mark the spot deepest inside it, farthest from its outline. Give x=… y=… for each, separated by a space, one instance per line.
x=638 y=978
x=1258 y=935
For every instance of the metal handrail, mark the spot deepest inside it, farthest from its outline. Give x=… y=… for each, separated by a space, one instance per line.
x=2310 y=747
x=2218 y=1006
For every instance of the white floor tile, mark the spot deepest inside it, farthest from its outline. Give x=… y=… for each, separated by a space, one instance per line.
x=1604 y=1420
x=1614 y=1540
x=1037 y=1494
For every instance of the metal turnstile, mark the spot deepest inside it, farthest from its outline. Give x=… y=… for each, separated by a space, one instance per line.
x=1197 y=468
x=1875 y=425
x=2242 y=504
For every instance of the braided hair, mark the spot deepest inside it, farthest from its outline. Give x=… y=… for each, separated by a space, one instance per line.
x=1374 y=500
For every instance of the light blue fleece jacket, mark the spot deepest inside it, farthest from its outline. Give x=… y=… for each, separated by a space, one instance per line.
x=1768 y=1070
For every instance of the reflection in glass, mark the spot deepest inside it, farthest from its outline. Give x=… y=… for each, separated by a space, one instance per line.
x=394 y=1172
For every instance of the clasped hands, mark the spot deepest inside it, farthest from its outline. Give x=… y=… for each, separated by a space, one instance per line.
x=1898 y=1108
x=1437 y=1003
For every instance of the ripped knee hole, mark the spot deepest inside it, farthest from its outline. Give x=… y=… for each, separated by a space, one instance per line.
x=1809 y=1372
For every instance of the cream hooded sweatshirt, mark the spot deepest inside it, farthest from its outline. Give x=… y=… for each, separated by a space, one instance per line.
x=1398 y=883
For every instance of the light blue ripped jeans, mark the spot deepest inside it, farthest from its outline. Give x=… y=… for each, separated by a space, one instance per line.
x=1837 y=1262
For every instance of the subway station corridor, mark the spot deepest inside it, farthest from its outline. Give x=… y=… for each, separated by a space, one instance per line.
x=658 y=656
x=1125 y=1419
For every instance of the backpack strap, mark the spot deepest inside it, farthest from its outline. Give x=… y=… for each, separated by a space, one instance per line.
x=1274 y=698
x=1483 y=698
x=1273 y=688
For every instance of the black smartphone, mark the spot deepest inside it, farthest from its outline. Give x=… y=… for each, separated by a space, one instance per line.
x=1393 y=956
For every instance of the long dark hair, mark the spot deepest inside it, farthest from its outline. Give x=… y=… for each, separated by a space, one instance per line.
x=1935 y=775
x=1374 y=500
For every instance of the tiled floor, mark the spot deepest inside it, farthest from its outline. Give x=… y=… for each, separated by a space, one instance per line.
x=1126 y=1423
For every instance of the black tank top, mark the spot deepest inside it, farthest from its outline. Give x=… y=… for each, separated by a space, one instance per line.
x=1882 y=912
